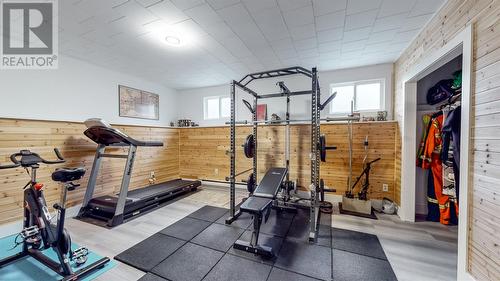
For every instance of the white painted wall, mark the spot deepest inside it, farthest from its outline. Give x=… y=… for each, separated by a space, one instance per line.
x=74 y=92
x=191 y=100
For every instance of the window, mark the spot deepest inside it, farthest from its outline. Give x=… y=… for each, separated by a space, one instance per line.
x=216 y=107
x=364 y=95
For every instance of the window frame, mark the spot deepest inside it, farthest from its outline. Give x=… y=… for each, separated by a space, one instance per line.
x=355 y=84
x=219 y=113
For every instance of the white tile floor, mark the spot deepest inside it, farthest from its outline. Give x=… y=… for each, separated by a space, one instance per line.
x=417 y=251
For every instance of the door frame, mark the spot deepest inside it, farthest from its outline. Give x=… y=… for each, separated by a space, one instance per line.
x=462 y=43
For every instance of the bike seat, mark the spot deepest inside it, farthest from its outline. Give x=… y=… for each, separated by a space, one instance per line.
x=68 y=174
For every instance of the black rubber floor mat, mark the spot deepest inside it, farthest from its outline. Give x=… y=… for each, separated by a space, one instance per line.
x=218 y=237
x=208 y=213
x=304 y=258
x=277 y=224
x=190 y=263
x=357 y=242
x=300 y=230
x=150 y=252
x=264 y=239
x=186 y=228
x=283 y=275
x=243 y=221
x=151 y=277
x=232 y=268
x=350 y=266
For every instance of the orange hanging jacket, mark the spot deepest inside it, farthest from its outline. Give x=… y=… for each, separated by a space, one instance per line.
x=432 y=160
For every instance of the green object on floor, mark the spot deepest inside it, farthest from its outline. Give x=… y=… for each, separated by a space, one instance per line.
x=28 y=268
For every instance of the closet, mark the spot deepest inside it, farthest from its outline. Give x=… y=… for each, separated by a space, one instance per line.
x=438 y=139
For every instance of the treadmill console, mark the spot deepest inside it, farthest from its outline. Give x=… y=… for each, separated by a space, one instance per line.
x=96 y=122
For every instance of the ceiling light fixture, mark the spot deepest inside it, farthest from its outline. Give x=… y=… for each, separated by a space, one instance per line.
x=172 y=40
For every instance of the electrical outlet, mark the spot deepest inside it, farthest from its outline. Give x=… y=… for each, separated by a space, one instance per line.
x=385 y=187
x=216 y=171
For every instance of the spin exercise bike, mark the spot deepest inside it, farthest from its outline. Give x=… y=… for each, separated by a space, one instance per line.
x=39 y=233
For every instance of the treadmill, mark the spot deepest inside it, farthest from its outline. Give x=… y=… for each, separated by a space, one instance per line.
x=115 y=210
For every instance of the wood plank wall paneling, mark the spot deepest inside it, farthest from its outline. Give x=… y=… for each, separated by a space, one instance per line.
x=203 y=153
x=484 y=241
x=43 y=136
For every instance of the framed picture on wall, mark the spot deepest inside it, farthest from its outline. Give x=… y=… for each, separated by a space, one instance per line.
x=261 y=112
x=136 y=103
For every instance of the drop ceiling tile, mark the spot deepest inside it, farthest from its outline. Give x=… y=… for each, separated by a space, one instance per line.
x=358 y=6
x=310 y=53
x=423 y=7
x=405 y=36
x=235 y=15
x=191 y=29
x=330 y=35
x=322 y=7
x=288 y=5
x=219 y=4
x=203 y=14
x=335 y=54
x=287 y=54
x=186 y=4
x=263 y=51
x=271 y=23
x=299 y=17
x=356 y=34
x=303 y=32
x=353 y=46
x=219 y=30
x=305 y=44
x=329 y=21
x=359 y=20
x=255 y=6
x=330 y=46
x=384 y=36
x=135 y=13
x=284 y=43
x=415 y=22
x=236 y=47
x=376 y=48
x=388 y=23
x=291 y=62
x=147 y=3
x=394 y=7
x=168 y=12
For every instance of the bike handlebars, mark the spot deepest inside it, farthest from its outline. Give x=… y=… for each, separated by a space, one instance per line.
x=29 y=158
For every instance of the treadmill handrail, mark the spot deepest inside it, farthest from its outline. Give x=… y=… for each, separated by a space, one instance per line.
x=114 y=137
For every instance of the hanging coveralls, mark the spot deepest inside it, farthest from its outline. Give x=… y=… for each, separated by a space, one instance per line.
x=432 y=161
x=432 y=203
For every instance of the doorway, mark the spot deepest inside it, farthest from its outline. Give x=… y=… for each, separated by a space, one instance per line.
x=460 y=45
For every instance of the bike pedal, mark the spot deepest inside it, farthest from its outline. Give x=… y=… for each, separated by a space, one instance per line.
x=80 y=255
x=30 y=232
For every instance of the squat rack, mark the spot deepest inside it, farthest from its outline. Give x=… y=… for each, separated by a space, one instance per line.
x=316 y=108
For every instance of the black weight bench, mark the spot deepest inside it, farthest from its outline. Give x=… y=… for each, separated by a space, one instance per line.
x=259 y=206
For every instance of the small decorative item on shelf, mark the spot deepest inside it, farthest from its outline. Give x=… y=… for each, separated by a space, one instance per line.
x=382 y=116
x=275 y=118
x=172 y=124
x=368 y=119
x=184 y=123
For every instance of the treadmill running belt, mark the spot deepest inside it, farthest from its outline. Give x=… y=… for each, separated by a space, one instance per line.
x=157 y=189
